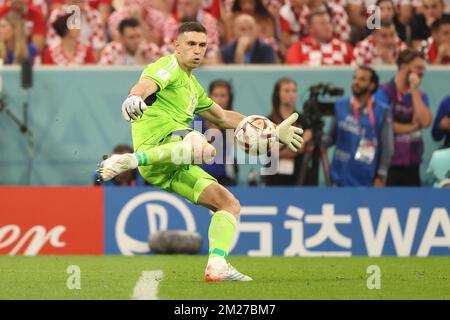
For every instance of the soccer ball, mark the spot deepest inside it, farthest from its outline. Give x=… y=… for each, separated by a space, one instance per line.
x=255 y=135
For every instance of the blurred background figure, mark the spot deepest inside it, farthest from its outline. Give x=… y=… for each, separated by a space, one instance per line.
x=359 y=15
x=70 y=50
x=320 y=47
x=91 y=26
x=34 y=21
x=264 y=20
x=390 y=14
x=105 y=7
x=224 y=167
x=411 y=113
x=381 y=47
x=130 y=178
x=293 y=19
x=431 y=10
x=441 y=126
x=248 y=46
x=284 y=104
x=13 y=42
x=363 y=134
x=149 y=15
x=132 y=49
x=437 y=47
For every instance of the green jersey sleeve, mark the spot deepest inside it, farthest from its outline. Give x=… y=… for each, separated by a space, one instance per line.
x=204 y=102
x=163 y=72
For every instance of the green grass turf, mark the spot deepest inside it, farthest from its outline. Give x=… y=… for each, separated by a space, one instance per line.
x=114 y=277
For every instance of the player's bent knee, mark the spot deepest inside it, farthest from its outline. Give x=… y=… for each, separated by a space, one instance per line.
x=209 y=153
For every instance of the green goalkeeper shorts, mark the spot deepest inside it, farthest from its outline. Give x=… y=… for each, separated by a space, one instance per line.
x=188 y=181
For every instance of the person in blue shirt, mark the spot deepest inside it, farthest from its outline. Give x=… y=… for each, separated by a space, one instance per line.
x=248 y=47
x=441 y=126
x=362 y=132
x=13 y=42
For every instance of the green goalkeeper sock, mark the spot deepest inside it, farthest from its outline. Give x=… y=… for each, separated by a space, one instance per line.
x=179 y=152
x=220 y=234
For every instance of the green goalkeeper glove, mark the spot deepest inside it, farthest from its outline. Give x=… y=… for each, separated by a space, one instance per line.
x=288 y=134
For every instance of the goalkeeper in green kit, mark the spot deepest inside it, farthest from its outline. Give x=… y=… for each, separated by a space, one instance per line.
x=167 y=150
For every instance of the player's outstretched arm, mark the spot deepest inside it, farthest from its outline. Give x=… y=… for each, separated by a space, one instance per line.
x=286 y=133
x=224 y=119
x=134 y=106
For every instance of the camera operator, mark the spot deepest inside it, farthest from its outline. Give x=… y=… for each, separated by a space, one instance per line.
x=363 y=134
x=284 y=102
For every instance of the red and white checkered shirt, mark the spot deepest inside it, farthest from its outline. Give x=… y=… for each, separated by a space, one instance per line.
x=92 y=27
x=430 y=49
x=207 y=20
x=295 y=22
x=153 y=18
x=307 y=51
x=115 y=54
x=365 y=51
x=54 y=54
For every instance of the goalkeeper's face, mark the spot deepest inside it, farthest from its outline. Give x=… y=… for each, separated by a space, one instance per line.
x=190 y=48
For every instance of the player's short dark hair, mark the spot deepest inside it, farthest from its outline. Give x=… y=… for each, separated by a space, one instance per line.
x=191 y=26
x=445 y=19
x=408 y=55
x=225 y=84
x=128 y=23
x=374 y=78
x=316 y=13
x=60 y=25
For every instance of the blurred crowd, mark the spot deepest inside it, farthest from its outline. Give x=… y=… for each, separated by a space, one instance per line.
x=307 y=32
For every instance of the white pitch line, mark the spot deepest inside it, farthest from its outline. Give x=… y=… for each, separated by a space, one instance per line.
x=147 y=286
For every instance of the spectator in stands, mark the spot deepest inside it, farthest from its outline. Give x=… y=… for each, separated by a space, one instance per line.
x=152 y=20
x=432 y=10
x=191 y=10
x=363 y=134
x=437 y=47
x=130 y=178
x=320 y=47
x=255 y=8
x=213 y=7
x=389 y=14
x=91 y=26
x=34 y=21
x=410 y=107
x=381 y=47
x=13 y=43
x=293 y=19
x=360 y=11
x=70 y=50
x=248 y=47
x=224 y=167
x=133 y=49
x=441 y=126
x=284 y=104
x=103 y=6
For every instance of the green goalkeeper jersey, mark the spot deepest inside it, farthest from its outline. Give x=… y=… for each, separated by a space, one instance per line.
x=179 y=97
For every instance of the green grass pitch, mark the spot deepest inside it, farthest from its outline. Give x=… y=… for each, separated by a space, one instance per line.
x=114 y=277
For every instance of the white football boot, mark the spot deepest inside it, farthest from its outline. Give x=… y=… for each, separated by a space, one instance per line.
x=217 y=270
x=116 y=164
